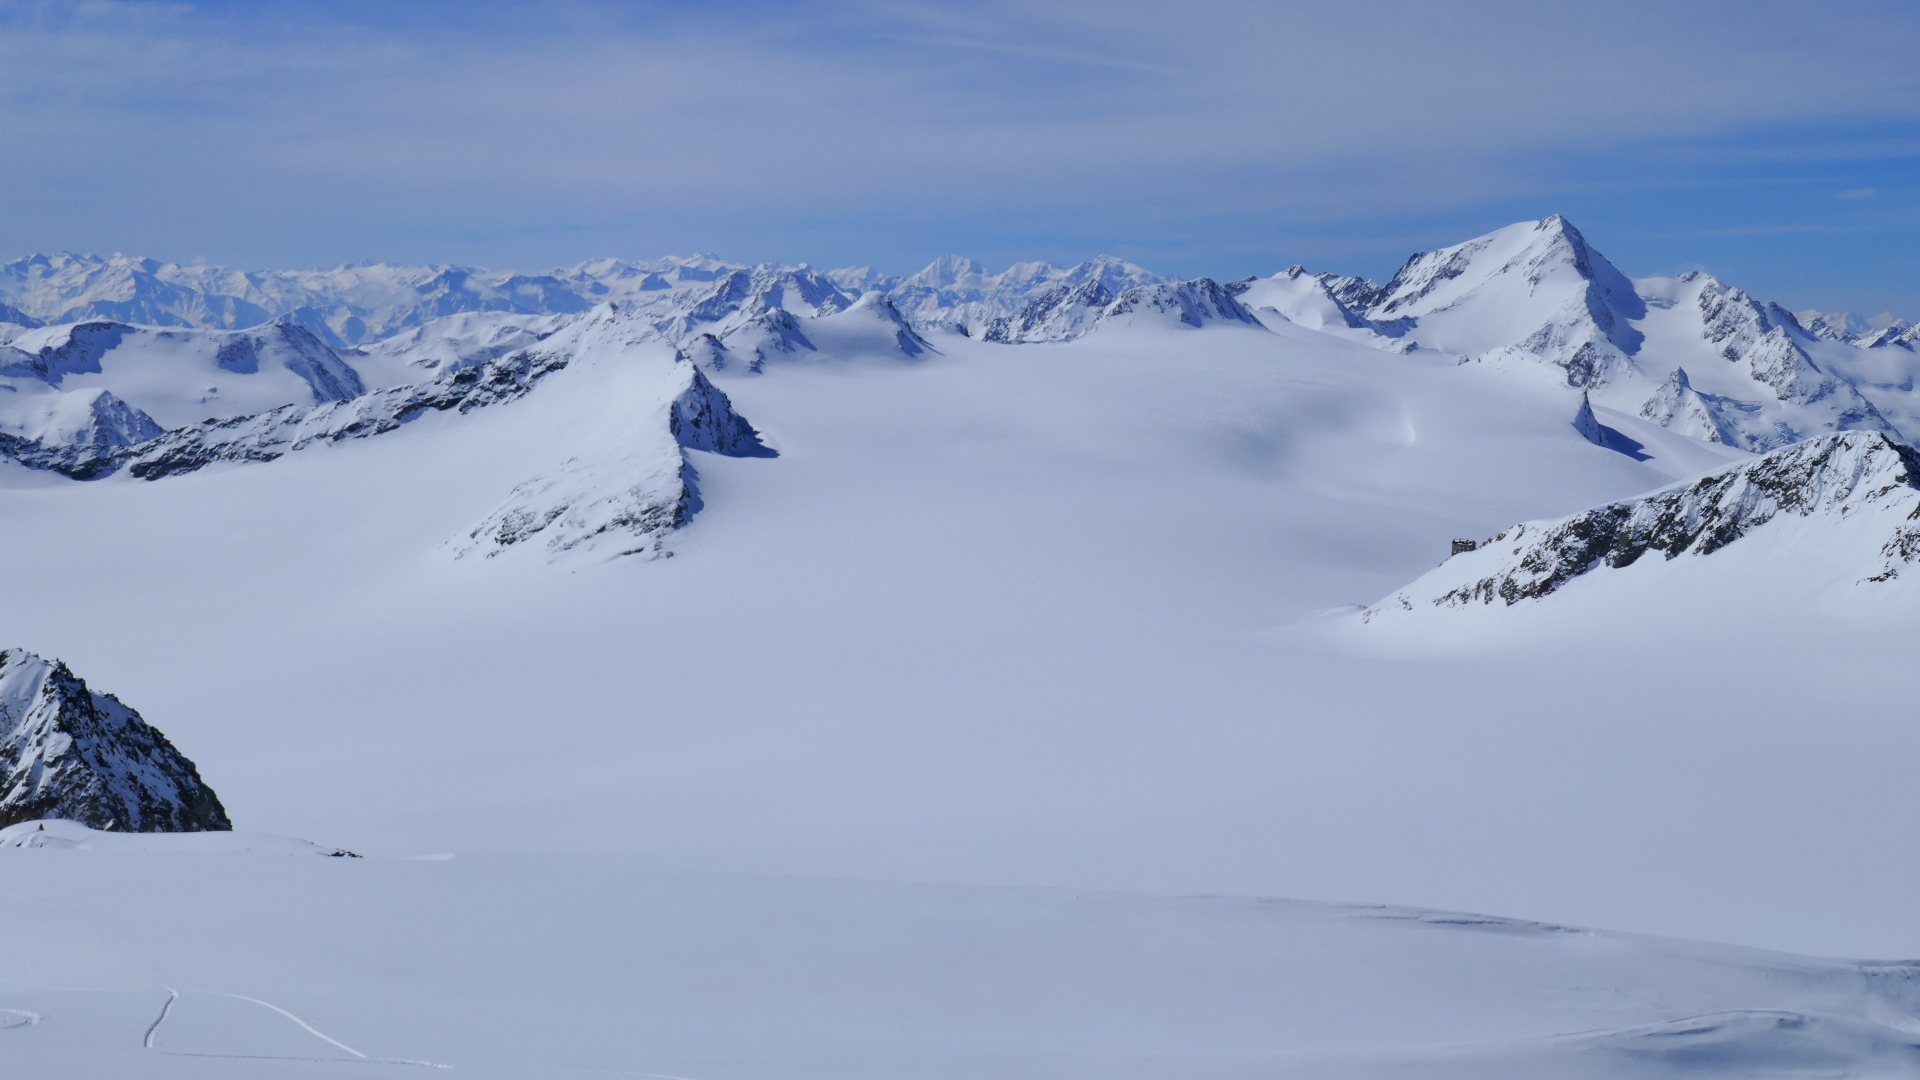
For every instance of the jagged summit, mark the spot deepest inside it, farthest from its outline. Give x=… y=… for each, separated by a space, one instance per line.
x=1858 y=493
x=1186 y=304
x=1061 y=313
x=1068 y=311
x=74 y=754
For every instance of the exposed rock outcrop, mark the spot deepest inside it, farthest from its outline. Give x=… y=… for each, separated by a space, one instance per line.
x=1062 y=313
x=68 y=752
x=1863 y=480
x=276 y=433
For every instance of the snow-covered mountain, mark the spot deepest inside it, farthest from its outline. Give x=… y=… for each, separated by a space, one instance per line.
x=1193 y=304
x=69 y=752
x=957 y=292
x=1331 y=303
x=172 y=376
x=1687 y=355
x=1068 y=311
x=1838 y=506
x=1687 y=352
x=629 y=479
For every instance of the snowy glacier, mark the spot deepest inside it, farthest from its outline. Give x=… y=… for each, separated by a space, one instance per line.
x=1014 y=638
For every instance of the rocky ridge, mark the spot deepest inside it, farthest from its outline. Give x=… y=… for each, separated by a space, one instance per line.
x=1068 y=312
x=68 y=752
x=1864 y=480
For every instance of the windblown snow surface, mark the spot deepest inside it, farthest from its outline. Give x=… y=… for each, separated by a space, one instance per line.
x=947 y=720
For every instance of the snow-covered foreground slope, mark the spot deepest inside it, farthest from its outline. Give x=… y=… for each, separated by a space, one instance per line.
x=277 y=964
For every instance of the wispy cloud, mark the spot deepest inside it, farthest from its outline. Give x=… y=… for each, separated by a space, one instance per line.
x=347 y=129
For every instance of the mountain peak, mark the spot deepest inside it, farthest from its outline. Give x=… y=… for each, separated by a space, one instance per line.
x=68 y=752
x=1535 y=287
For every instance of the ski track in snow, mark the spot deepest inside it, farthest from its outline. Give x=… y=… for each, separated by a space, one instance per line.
x=154 y=1028
x=308 y=1028
x=174 y=995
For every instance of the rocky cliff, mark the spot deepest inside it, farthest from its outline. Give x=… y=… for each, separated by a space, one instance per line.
x=69 y=752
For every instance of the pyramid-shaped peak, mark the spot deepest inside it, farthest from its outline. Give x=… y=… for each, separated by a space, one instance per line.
x=68 y=752
x=871 y=325
x=1530 y=281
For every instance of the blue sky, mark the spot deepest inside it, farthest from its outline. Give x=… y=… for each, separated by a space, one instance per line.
x=1775 y=144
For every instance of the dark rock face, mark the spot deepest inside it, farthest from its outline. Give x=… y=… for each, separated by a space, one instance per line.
x=703 y=419
x=1836 y=476
x=67 y=752
x=1060 y=313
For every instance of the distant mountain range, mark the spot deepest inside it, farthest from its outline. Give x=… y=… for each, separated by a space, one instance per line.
x=161 y=368
x=351 y=305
